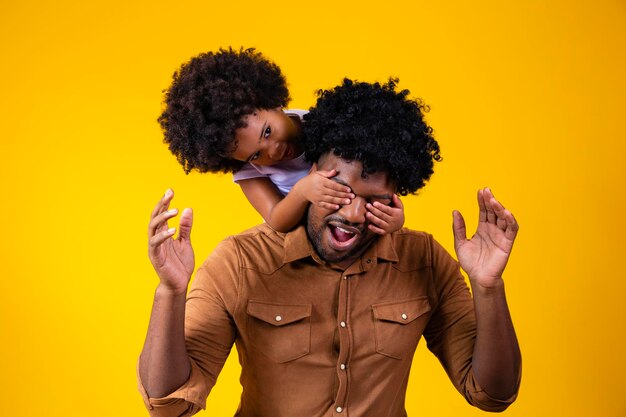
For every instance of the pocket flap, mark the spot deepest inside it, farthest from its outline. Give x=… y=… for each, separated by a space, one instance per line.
x=402 y=312
x=278 y=314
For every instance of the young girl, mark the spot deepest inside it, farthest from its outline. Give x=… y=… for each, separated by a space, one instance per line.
x=224 y=113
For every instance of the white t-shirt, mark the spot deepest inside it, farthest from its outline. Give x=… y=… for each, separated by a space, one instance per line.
x=284 y=175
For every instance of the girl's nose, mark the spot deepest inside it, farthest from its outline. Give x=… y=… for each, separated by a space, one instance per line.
x=273 y=151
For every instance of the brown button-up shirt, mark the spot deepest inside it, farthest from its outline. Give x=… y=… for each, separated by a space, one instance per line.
x=318 y=341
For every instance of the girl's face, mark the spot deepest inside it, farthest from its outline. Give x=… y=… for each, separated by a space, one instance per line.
x=270 y=136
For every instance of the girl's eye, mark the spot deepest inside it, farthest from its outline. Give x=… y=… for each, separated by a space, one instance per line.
x=255 y=156
x=267 y=132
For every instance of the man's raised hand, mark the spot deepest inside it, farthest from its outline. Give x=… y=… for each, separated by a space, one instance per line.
x=172 y=259
x=486 y=254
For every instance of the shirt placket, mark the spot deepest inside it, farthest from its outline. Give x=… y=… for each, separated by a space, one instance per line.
x=345 y=347
x=346 y=340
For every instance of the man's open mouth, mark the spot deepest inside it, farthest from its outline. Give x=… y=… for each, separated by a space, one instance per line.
x=342 y=235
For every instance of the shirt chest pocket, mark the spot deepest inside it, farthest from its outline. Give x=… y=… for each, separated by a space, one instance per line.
x=398 y=326
x=280 y=331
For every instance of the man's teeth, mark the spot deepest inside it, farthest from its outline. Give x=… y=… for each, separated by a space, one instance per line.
x=342 y=235
x=344 y=230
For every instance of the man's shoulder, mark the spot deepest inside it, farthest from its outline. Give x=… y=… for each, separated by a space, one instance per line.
x=415 y=249
x=260 y=248
x=260 y=232
x=412 y=237
x=406 y=232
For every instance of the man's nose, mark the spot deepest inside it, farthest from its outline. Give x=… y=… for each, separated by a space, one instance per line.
x=355 y=211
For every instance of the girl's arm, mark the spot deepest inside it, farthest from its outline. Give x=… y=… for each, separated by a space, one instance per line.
x=283 y=213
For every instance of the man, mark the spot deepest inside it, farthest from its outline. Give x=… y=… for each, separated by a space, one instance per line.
x=327 y=317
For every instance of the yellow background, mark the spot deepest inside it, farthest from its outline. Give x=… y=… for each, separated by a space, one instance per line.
x=526 y=96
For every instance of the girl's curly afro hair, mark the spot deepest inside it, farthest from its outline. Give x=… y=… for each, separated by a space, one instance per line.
x=209 y=97
x=376 y=125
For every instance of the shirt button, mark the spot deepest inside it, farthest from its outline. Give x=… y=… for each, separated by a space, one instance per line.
x=278 y=318
x=404 y=316
x=369 y=261
x=342 y=366
x=339 y=409
x=342 y=324
x=345 y=277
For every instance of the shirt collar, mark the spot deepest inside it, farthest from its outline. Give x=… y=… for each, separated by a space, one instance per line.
x=298 y=246
x=384 y=248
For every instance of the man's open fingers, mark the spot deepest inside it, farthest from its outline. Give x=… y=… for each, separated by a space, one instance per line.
x=511 y=225
x=156 y=240
x=489 y=207
x=499 y=211
x=186 y=221
x=159 y=223
x=506 y=220
x=458 y=228
x=163 y=204
x=482 y=209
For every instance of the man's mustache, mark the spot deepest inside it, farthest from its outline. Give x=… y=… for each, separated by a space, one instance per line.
x=334 y=218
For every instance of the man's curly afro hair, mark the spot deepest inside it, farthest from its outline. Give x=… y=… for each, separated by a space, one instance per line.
x=376 y=125
x=209 y=97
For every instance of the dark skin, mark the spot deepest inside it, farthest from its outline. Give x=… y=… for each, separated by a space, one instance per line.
x=496 y=360
x=164 y=365
x=269 y=137
x=497 y=357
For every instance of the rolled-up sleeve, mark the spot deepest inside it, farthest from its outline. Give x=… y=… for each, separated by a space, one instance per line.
x=476 y=396
x=451 y=332
x=185 y=401
x=209 y=333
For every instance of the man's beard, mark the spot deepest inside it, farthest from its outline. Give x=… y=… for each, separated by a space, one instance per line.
x=316 y=236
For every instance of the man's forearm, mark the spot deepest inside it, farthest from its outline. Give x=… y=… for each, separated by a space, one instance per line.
x=164 y=364
x=496 y=360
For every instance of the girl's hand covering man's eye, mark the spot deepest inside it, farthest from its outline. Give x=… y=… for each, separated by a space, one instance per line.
x=319 y=189
x=385 y=219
